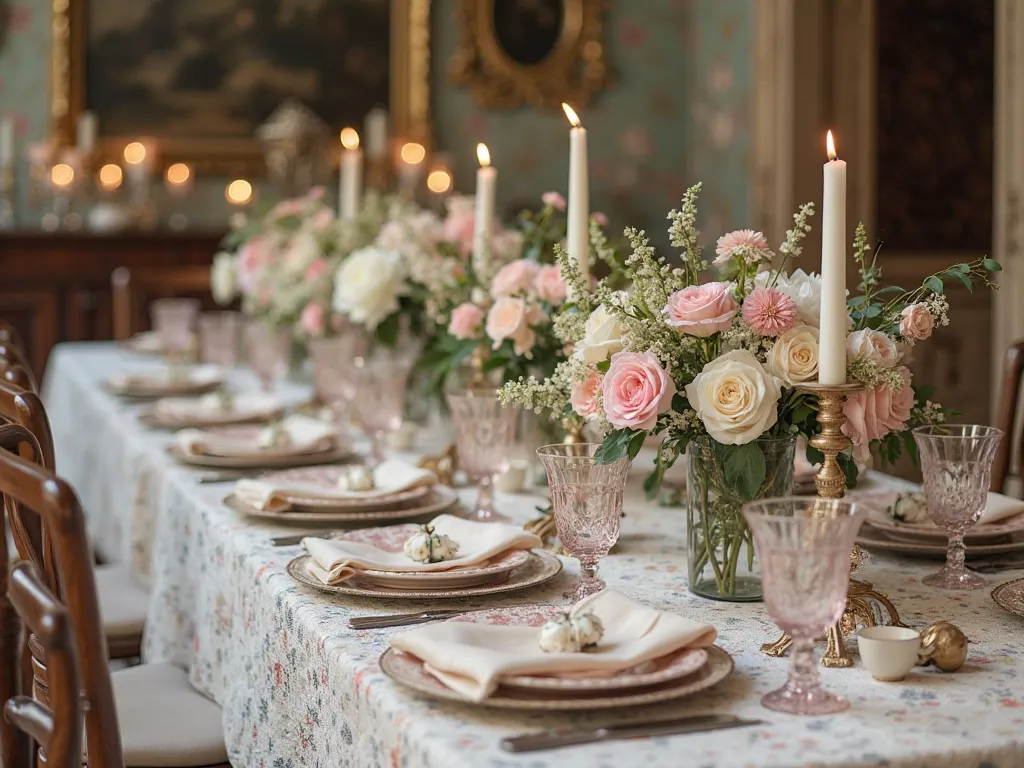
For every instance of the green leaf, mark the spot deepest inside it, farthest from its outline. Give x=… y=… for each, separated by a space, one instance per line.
x=636 y=442
x=872 y=311
x=745 y=469
x=849 y=467
x=964 y=268
x=652 y=483
x=679 y=403
x=933 y=284
x=614 y=446
x=992 y=265
x=604 y=365
x=910 y=444
x=492 y=363
x=814 y=456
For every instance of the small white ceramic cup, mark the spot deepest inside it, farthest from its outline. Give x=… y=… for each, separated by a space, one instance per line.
x=889 y=653
x=402 y=439
x=514 y=479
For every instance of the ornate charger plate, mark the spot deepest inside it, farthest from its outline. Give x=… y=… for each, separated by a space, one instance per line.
x=441 y=498
x=1010 y=597
x=929 y=531
x=146 y=343
x=540 y=567
x=672 y=666
x=309 y=480
x=143 y=386
x=393 y=537
x=876 y=539
x=408 y=671
x=335 y=455
x=152 y=418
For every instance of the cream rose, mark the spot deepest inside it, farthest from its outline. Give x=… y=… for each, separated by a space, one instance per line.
x=874 y=346
x=602 y=336
x=916 y=322
x=735 y=397
x=369 y=284
x=223 y=278
x=794 y=358
x=509 y=318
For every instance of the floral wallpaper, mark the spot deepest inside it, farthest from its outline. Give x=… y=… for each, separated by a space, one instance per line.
x=676 y=113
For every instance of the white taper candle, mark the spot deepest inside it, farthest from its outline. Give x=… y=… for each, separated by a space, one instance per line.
x=833 y=317
x=578 y=214
x=350 y=177
x=483 y=220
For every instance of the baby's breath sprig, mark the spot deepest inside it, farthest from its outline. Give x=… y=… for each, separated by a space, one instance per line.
x=792 y=246
x=682 y=233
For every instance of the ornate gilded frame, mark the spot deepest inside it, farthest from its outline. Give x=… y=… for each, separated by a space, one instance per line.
x=573 y=72
x=409 y=91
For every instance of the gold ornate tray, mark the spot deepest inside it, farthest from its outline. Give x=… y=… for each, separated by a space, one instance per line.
x=1010 y=597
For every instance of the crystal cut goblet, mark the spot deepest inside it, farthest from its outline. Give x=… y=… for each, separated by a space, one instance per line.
x=267 y=350
x=956 y=460
x=379 y=405
x=804 y=545
x=485 y=431
x=586 y=500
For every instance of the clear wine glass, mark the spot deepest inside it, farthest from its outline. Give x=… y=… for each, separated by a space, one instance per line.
x=485 y=431
x=380 y=382
x=218 y=338
x=804 y=545
x=586 y=500
x=334 y=379
x=174 y=323
x=956 y=460
x=267 y=350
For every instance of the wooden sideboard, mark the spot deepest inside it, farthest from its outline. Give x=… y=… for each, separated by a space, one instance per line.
x=56 y=286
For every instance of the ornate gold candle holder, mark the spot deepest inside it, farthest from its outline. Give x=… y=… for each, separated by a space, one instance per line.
x=864 y=606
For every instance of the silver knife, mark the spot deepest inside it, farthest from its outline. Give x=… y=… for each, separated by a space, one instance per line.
x=530 y=742
x=296 y=538
x=400 y=619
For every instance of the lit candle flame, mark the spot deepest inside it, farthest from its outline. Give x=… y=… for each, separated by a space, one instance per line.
x=135 y=152
x=349 y=138
x=413 y=153
x=483 y=155
x=238 y=192
x=830 y=146
x=571 y=114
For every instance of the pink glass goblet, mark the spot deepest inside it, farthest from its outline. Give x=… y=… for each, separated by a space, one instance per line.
x=586 y=500
x=334 y=378
x=218 y=338
x=485 y=431
x=956 y=460
x=379 y=405
x=267 y=349
x=804 y=545
x=174 y=323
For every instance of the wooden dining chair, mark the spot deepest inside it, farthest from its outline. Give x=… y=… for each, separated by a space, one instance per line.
x=14 y=367
x=123 y=604
x=1007 y=418
x=133 y=290
x=55 y=721
x=147 y=715
x=10 y=335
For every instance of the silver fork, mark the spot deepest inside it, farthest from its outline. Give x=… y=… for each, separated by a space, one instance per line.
x=400 y=619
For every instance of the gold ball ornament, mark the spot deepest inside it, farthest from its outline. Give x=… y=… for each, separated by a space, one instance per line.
x=944 y=645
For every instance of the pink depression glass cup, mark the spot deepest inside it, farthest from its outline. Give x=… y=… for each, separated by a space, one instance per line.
x=586 y=500
x=219 y=334
x=267 y=350
x=379 y=405
x=333 y=370
x=804 y=545
x=485 y=431
x=174 y=323
x=956 y=460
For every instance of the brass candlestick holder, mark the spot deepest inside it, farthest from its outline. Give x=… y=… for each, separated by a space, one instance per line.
x=864 y=605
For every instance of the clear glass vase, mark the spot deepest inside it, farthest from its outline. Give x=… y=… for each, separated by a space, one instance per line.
x=722 y=562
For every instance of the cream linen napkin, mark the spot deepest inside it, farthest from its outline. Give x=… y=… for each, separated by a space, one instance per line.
x=162 y=377
x=245 y=405
x=337 y=560
x=470 y=658
x=389 y=478
x=307 y=435
x=998 y=507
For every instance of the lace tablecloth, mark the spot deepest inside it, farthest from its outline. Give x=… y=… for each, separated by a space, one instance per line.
x=298 y=688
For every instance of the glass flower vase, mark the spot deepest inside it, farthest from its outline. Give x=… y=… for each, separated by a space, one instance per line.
x=721 y=558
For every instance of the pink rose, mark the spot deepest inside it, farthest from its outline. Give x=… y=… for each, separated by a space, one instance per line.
x=549 y=285
x=313 y=319
x=316 y=269
x=458 y=228
x=600 y=218
x=466 y=321
x=509 y=318
x=514 y=278
x=252 y=258
x=316 y=193
x=916 y=322
x=584 y=395
x=322 y=219
x=506 y=244
x=553 y=199
x=872 y=414
x=701 y=310
x=636 y=389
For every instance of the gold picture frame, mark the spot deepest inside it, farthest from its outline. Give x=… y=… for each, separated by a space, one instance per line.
x=409 y=92
x=573 y=71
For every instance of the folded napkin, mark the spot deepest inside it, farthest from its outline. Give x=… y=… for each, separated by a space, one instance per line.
x=337 y=560
x=307 y=435
x=246 y=405
x=998 y=507
x=470 y=658
x=389 y=478
x=164 y=377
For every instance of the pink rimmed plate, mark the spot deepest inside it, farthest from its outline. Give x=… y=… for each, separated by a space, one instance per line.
x=440 y=499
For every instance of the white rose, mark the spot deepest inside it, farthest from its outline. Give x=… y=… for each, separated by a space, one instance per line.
x=874 y=346
x=368 y=285
x=794 y=358
x=735 y=397
x=223 y=278
x=302 y=250
x=602 y=336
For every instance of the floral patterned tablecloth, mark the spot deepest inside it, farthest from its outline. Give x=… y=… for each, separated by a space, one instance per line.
x=299 y=688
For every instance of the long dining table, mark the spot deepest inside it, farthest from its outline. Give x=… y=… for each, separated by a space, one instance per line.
x=299 y=688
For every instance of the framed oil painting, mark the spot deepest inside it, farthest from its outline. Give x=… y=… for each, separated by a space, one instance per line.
x=200 y=76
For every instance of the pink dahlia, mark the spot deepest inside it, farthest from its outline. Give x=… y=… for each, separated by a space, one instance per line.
x=745 y=239
x=769 y=311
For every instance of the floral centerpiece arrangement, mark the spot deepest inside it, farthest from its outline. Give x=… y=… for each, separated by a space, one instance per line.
x=713 y=367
